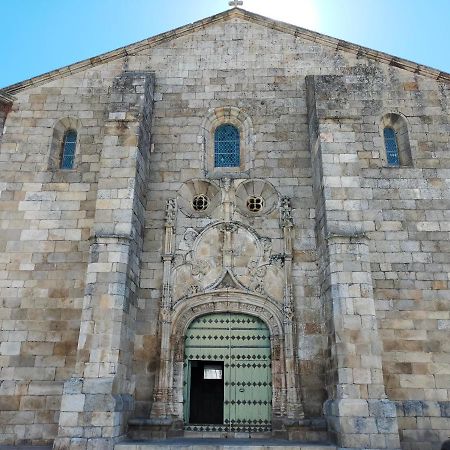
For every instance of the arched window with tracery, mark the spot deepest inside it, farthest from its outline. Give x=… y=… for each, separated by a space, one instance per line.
x=227 y=149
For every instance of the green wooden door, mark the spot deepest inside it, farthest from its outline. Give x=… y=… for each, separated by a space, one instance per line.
x=242 y=342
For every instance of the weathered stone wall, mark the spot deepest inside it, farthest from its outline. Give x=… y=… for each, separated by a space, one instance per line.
x=357 y=410
x=47 y=216
x=98 y=398
x=403 y=213
x=411 y=255
x=46 y=221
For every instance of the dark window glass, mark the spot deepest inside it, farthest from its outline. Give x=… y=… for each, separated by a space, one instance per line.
x=68 y=151
x=227 y=146
x=390 y=142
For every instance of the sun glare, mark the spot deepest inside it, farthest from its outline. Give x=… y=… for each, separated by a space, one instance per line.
x=302 y=13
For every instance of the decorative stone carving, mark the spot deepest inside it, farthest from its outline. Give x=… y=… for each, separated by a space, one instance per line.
x=267 y=247
x=194 y=188
x=189 y=238
x=286 y=220
x=277 y=260
x=227 y=267
x=228 y=282
x=171 y=208
x=276 y=347
x=177 y=260
x=200 y=268
x=257 y=274
x=256 y=189
x=226 y=184
x=202 y=259
x=192 y=289
x=288 y=307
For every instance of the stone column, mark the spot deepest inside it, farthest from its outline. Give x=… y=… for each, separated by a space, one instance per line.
x=294 y=405
x=358 y=413
x=162 y=408
x=98 y=398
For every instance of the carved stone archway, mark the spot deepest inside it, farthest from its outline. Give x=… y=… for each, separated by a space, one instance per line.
x=285 y=400
x=226 y=266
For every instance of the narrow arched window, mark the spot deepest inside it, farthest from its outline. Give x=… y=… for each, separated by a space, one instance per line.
x=391 y=144
x=227 y=149
x=68 y=150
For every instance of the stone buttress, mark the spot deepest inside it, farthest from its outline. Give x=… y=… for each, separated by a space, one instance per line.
x=98 y=398
x=358 y=412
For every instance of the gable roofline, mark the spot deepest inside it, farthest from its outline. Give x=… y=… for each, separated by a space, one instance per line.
x=132 y=49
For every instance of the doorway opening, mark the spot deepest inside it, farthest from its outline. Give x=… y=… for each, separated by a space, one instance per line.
x=206 y=393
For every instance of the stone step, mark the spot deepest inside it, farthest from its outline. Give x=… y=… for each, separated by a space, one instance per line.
x=221 y=444
x=313 y=429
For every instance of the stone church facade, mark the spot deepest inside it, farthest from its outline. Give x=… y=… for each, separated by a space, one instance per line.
x=306 y=279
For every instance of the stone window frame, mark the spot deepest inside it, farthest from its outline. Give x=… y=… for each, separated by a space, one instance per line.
x=399 y=124
x=60 y=130
x=214 y=119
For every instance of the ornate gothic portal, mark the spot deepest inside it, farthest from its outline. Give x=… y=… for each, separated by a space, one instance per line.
x=218 y=265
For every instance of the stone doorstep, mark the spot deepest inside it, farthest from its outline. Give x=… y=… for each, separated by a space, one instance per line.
x=225 y=435
x=220 y=444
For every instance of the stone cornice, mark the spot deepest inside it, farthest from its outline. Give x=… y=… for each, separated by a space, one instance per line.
x=132 y=49
x=6 y=99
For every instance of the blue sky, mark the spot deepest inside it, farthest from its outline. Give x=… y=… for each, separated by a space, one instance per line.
x=41 y=35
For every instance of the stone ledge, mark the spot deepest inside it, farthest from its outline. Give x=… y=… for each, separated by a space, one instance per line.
x=222 y=444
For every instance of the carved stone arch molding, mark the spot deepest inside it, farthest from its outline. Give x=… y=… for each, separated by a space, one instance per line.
x=169 y=398
x=187 y=310
x=193 y=189
x=256 y=189
x=242 y=121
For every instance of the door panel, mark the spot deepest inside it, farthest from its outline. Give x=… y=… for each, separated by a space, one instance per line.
x=242 y=343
